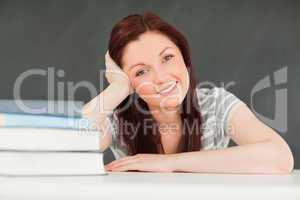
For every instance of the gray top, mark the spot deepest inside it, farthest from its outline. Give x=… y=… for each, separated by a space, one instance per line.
x=215 y=106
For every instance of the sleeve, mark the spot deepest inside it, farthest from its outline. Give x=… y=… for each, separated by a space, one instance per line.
x=112 y=121
x=116 y=147
x=225 y=103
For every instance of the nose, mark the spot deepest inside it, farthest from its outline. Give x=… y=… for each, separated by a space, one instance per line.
x=161 y=75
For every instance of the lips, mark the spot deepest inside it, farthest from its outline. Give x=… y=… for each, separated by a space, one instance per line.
x=171 y=86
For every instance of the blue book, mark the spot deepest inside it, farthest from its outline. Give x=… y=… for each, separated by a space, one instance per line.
x=43 y=121
x=42 y=107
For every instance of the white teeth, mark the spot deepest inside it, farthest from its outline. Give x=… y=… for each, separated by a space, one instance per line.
x=169 y=88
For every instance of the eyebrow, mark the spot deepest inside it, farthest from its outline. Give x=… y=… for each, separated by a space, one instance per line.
x=144 y=63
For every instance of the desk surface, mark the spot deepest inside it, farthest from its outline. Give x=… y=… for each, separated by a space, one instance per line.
x=145 y=185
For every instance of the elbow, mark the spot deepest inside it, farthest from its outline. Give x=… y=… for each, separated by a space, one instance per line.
x=287 y=165
x=280 y=159
x=285 y=160
x=285 y=168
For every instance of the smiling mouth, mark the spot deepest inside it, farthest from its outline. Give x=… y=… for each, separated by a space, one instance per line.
x=168 y=90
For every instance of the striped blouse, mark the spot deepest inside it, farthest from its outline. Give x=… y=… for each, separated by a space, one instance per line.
x=215 y=106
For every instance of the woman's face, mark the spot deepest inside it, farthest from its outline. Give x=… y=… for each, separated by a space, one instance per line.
x=156 y=69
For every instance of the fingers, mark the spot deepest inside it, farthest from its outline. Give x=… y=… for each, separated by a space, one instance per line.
x=121 y=160
x=118 y=165
x=108 y=60
x=130 y=166
x=106 y=54
x=115 y=72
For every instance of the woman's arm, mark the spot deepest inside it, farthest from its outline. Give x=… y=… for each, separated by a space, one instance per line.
x=259 y=150
x=99 y=107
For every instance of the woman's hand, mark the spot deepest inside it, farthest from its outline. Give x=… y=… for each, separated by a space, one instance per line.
x=143 y=162
x=114 y=73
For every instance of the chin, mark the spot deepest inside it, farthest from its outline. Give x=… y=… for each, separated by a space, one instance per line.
x=170 y=102
x=165 y=101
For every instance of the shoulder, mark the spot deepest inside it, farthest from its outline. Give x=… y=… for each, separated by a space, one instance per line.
x=215 y=104
x=214 y=93
x=217 y=98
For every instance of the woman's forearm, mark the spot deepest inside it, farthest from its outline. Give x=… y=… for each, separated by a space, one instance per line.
x=99 y=107
x=104 y=103
x=264 y=157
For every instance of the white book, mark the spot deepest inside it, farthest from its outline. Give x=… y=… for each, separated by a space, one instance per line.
x=49 y=139
x=18 y=163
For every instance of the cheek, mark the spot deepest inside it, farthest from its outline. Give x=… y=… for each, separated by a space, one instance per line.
x=144 y=87
x=185 y=78
x=181 y=72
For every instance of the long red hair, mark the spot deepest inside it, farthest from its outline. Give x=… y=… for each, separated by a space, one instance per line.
x=141 y=141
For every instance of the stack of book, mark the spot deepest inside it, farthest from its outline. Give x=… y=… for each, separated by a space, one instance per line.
x=42 y=141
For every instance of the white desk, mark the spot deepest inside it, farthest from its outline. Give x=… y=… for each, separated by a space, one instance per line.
x=138 y=185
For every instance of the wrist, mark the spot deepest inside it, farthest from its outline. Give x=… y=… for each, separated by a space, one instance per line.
x=121 y=86
x=173 y=161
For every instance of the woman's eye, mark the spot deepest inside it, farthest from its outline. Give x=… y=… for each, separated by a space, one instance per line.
x=168 y=57
x=139 y=73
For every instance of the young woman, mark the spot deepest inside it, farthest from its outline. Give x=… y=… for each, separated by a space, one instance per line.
x=161 y=120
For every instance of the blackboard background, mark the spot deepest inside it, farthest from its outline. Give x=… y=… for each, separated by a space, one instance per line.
x=239 y=41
